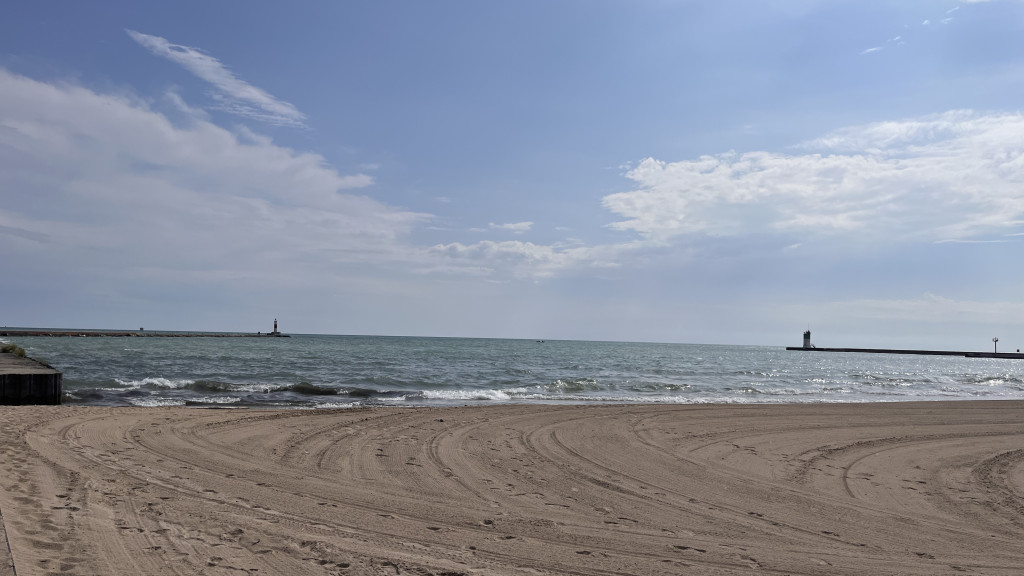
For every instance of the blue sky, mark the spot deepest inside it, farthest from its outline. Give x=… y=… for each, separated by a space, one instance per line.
x=713 y=172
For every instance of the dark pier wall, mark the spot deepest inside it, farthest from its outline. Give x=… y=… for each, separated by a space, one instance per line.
x=25 y=381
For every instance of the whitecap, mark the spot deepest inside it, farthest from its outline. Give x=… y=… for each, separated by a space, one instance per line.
x=329 y=405
x=157 y=382
x=491 y=395
x=215 y=400
x=155 y=402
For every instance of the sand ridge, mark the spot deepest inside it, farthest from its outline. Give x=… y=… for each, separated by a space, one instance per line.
x=915 y=488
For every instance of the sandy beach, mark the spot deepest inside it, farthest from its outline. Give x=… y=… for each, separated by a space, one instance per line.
x=922 y=488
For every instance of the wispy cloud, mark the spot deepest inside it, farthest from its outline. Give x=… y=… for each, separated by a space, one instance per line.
x=525 y=260
x=927 y=22
x=230 y=92
x=927 y=308
x=516 y=227
x=137 y=194
x=894 y=41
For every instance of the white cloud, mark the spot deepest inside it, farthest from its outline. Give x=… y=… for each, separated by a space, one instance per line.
x=101 y=183
x=524 y=259
x=953 y=176
x=108 y=184
x=516 y=227
x=98 y=185
x=233 y=94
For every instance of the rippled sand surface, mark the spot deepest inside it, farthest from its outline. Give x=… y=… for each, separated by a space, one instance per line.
x=927 y=488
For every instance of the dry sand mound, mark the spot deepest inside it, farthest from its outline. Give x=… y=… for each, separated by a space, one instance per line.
x=931 y=488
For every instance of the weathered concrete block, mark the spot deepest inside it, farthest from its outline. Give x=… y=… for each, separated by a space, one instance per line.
x=26 y=381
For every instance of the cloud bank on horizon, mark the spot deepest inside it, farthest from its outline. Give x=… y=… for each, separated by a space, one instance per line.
x=131 y=196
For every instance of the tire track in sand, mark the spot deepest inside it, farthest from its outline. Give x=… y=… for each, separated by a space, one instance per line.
x=516 y=490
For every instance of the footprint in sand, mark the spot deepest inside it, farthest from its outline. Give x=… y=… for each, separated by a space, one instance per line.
x=701 y=550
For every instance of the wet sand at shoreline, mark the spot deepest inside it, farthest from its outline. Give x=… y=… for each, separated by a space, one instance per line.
x=895 y=488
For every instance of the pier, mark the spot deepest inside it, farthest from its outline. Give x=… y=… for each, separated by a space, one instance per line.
x=917 y=352
x=808 y=347
x=26 y=381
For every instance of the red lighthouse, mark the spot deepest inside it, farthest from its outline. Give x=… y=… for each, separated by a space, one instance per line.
x=275 y=326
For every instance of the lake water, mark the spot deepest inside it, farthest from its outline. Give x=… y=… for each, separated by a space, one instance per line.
x=309 y=371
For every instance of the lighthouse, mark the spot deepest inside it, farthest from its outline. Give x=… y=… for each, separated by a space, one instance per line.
x=276 y=332
x=807 y=337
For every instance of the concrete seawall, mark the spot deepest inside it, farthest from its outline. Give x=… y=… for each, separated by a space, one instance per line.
x=26 y=381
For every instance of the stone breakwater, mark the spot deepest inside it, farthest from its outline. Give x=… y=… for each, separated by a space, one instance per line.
x=133 y=334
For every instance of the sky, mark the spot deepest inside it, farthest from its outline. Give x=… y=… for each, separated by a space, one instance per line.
x=642 y=170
